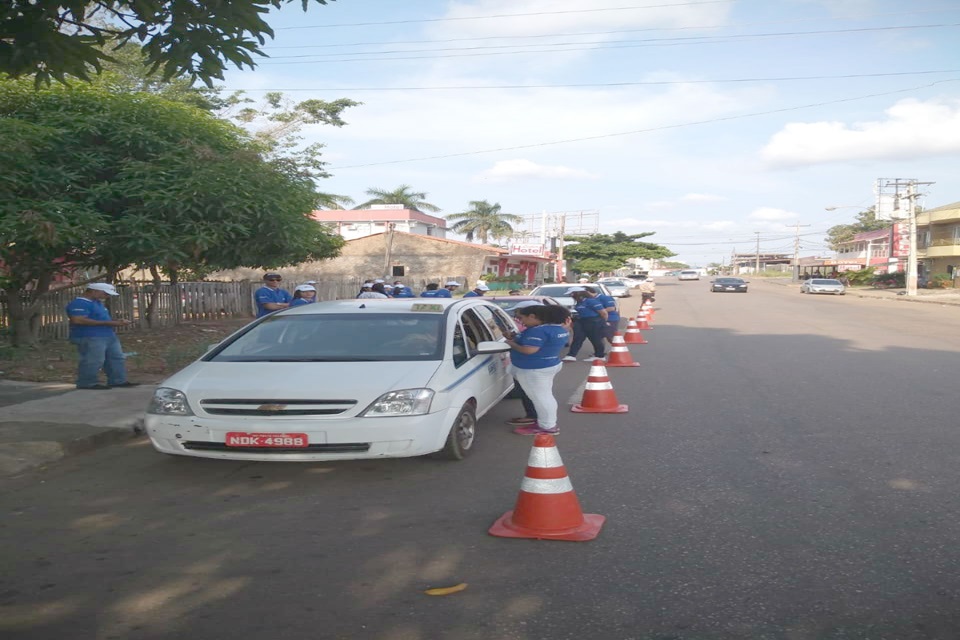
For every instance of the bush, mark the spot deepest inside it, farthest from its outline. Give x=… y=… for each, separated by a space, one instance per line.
x=940 y=281
x=863 y=276
x=895 y=279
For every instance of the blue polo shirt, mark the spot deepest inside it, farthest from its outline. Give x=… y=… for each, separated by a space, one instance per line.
x=299 y=302
x=403 y=292
x=551 y=338
x=472 y=294
x=439 y=293
x=264 y=295
x=589 y=308
x=608 y=301
x=94 y=310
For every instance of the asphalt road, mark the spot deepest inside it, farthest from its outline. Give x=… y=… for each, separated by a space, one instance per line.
x=788 y=470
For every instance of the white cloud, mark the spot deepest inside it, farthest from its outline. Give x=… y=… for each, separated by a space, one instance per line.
x=911 y=129
x=520 y=169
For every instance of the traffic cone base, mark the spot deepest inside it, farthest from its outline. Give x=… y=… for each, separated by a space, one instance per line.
x=598 y=394
x=547 y=507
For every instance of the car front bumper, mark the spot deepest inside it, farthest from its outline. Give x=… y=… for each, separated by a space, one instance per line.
x=348 y=438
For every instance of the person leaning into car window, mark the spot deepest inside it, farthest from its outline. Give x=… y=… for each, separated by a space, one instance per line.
x=270 y=297
x=591 y=321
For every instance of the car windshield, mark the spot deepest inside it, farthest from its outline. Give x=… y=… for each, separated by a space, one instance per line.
x=729 y=281
x=834 y=282
x=347 y=337
x=688 y=273
x=614 y=283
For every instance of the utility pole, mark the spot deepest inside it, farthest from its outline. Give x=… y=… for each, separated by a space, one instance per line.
x=796 y=252
x=388 y=252
x=756 y=270
x=911 y=198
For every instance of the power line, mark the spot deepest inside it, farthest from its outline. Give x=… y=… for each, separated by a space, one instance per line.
x=672 y=42
x=621 y=84
x=648 y=130
x=603 y=33
x=507 y=15
x=626 y=43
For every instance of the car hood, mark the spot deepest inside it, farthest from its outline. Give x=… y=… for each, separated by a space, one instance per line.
x=360 y=381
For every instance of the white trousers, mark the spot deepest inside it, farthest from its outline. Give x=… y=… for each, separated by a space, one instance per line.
x=538 y=385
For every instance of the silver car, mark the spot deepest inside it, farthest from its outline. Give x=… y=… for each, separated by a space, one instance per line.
x=823 y=285
x=618 y=288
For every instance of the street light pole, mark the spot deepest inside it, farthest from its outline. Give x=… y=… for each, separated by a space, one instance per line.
x=756 y=269
x=912 y=254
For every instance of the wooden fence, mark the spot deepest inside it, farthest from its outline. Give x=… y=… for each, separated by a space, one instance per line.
x=185 y=302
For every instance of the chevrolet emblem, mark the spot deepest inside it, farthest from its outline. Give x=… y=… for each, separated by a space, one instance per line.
x=271 y=407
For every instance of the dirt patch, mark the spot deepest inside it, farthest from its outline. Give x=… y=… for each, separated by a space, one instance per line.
x=152 y=354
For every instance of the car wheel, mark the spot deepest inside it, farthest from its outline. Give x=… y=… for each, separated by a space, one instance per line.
x=462 y=435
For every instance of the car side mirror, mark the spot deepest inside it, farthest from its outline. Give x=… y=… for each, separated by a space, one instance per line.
x=490 y=346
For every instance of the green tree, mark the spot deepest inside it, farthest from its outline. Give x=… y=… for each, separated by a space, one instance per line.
x=865 y=221
x=54 y=39
x=404 y=194
x=483 y=221
x=666 y=264
x=106 y=180
x=601 y=252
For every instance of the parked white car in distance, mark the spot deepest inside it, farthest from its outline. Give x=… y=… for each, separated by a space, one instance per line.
x=688 y=274
x=823 y=285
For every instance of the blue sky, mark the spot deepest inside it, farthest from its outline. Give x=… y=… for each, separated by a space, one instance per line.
x=683 y=120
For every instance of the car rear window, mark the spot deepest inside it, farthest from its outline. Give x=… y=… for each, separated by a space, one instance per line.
x=817 y=281
x=338 y=338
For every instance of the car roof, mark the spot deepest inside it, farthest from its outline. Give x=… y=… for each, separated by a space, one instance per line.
x=381 y=305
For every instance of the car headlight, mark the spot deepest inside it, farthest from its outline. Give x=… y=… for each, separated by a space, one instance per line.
x=408 y=402
x=169 y=402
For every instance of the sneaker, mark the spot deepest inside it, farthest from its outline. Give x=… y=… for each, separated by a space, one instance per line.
x=96 y=387
x=528 y=430
x=568 y=359
x=521 y=421
x=552 y=432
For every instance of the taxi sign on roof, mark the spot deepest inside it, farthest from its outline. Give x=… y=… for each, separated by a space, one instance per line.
x=426 y=306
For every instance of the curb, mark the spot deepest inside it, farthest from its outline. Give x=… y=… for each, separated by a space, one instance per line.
x=20 y=457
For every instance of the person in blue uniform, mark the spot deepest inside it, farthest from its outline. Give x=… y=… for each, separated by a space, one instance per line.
x=535 y=361
x=304 y=294
x=92 y=332
x=590 y=325
x=477 y=291
x=270 y=297
x=432 y=291
x=400 y=290
x=613 y=314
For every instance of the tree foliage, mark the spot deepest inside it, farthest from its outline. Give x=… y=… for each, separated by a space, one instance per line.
x=484 y=220
x=602 y=252
x=100 y=179
x=865 y=221
x=404 y=194
x=52 y=39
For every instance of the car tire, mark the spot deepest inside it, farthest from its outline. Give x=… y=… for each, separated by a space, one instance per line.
x=462 y=435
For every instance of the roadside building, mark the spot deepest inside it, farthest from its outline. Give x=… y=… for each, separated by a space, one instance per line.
x=379 y=218
x=938 y=242
x=867 y=249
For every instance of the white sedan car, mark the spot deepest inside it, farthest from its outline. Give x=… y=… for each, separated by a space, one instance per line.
x=341 y=380
x=823 y=285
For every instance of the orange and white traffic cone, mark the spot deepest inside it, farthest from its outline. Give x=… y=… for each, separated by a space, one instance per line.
x=648 y=307
x=598 y=395
x=619 y=354
x=642 y=322
x=633 y=335
x=547 y=507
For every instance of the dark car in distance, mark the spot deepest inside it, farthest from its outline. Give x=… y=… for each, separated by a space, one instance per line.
x=734 y=285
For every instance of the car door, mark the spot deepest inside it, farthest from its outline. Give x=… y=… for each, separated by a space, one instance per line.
x=483 y=369
x=500 y=325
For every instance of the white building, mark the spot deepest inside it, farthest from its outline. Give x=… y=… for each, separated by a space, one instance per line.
x=359 y=223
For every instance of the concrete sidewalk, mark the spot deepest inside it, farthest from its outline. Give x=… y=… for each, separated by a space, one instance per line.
x=41 y=423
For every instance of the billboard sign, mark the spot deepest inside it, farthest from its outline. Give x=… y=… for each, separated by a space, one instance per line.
x=901 y=240
x=527 y=250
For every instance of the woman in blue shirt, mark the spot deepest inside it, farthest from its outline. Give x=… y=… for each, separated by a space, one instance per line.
x=304 y=294
x=535 y=361
x=591 y=322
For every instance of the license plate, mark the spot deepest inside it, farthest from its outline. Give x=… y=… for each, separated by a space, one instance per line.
x=266 y=440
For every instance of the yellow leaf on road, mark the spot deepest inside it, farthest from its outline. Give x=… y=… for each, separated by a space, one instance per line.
x=445 y=591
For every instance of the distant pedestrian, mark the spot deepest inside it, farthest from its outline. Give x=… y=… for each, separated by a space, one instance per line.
x=402 y=291
x=432 y=290
x=304 y=294
x=590 y=324
x=369 y=290
x=92 y=331
x=477 y=291
x=270 y=297
x=535 y=361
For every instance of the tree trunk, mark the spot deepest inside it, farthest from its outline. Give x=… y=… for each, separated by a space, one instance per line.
x=23 y=325
x=151 y=306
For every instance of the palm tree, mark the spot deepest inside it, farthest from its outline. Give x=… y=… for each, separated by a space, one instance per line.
x=484 y=220
x=334 y=201
x=415 y=200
